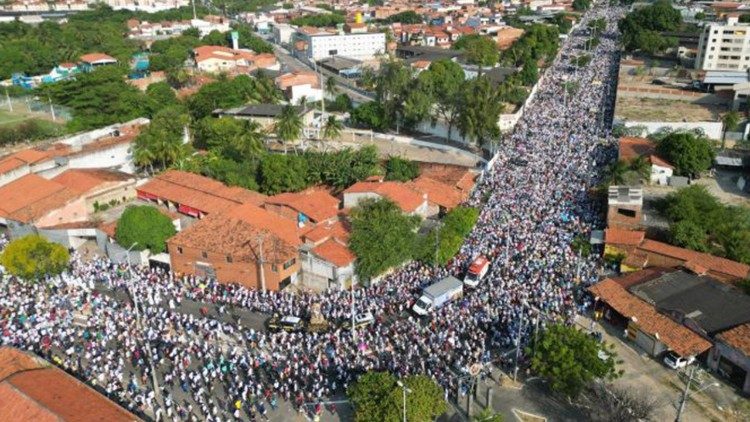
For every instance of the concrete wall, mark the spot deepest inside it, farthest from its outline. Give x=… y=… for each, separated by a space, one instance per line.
x=351 y=200
x=12 y=175
x=733 y=355
x=656 y=92
x=711 y=129
x=118 y=157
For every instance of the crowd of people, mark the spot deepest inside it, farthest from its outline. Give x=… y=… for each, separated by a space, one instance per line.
x=121 y=328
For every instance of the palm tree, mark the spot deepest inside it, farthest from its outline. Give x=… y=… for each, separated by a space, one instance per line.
x=616 y=171
x=730 y=121
x=642 y=166
x=332 y=128
x=289 y=125
x=303 y=103
x=330 y=89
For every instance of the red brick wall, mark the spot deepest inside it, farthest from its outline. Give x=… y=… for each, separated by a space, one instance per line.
x=618 y=220
x=245 y=273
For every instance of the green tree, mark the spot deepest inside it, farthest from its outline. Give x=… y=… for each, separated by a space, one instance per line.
x=231 y=138
x=144 y=227
x=480 y=50
x=377 y=397
x=282 y=173
x=480 y=110
x=330 y=88
x=689 y=234
x=382 y=237
x=370 y=115
x=332 y=128
x=642 y=167
x=161 y=143
x=449 y=237
x=401 y=169
x=487 y=415
x=689 y=153
x=289 y=125
x=159 y=95
x=581 y=5
x=570 y=359
x=730 y=122
x=615 y=173
x=33 y=257
x=215 y=38
x=409 y=17
x=446 y=79
x=392 y=86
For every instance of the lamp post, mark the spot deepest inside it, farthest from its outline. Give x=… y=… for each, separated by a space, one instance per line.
x=405 y=390
x=686 y=393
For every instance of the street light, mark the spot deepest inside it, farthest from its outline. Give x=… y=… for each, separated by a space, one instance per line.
x=405 y=389
x=686 y=393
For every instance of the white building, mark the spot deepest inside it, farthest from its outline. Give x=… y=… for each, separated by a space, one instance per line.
x=724 y=46
x=360 y=46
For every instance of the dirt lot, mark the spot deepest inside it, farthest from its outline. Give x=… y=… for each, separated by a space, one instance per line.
x=649 y=110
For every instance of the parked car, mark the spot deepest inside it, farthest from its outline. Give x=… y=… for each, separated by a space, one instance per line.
x=675 y=361
x=287 y=323
x=363 y=320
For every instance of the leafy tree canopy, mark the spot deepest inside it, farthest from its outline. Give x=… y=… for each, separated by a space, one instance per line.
x=145 y=227
x=689 y=153
x=480 y=50
x=377 y=397
x=401 y=169
x=282 y=173
x=641 y=28
x=408 y=17
x=330 y=19
x=448 y=237
x=33 y=257
x=569 y=359
x=382 y=237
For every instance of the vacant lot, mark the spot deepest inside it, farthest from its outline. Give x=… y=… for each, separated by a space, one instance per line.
x=650 y=110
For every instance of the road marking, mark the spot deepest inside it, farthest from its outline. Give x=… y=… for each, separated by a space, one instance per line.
x=526 y=416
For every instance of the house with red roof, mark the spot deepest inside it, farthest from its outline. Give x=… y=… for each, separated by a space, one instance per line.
x=411 y=201
x=91 y=61
x=326 y=260
x=32 y=389
x=215 y=59
x=309 y=207
x=730 y=356
x=631 y=148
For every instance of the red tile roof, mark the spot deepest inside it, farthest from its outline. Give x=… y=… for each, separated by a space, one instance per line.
x=711 y=262
x=335 y=253
x=325 y=231
x=617 y=236
x=437 y=192
x=677 y=337
x=31 y=197
x=206 y=52
x=738 y=337
x=404 y=196
x=238 y=233
x=637 y=277
x=199 y=192
x=632 y=147
x=33 y=390
x=85 y=180
x=96 y=57
x=316 y=203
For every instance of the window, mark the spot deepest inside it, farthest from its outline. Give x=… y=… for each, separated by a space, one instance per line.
x=229 y=259
x=626 y=213
x=290 y=263
x=179 y=250
x=204 y=254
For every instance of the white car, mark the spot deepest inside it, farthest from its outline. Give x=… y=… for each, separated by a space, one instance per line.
x=363 y=320
x=675 y=361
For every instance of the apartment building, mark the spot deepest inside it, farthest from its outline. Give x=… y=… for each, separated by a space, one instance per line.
x=317 y=45
x=724 y=46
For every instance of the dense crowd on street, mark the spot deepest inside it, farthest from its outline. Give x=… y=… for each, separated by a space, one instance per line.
x=118 y=327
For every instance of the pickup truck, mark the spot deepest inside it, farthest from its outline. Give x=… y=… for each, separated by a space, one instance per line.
x=477 y=270
x=437 y=295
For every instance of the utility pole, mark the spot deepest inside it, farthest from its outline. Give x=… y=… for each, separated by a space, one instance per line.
x=195 y=15
x=7 y=97
x=683 y=400
x=261 y=261
x=52 y=109
x=354 y=331
x=518 y=344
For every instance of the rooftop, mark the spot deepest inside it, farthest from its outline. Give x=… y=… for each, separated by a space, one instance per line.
x=316 y=203
x=33 y=390
x=335 y=252
x=404 y=196
x=437 y=192
x=617 y=236
x=625 y=195
x=257 y=110
x=85 y=180
x=199 y=192
x=713 y=305
x=677 y=337
x=240 y=231
x=738 y=337
x=711 y=262
x=31 y=197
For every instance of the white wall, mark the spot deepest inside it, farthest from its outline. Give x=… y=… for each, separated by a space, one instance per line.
x=711 y=129
x=312 y=94
x=357 y=46
x=119 y=157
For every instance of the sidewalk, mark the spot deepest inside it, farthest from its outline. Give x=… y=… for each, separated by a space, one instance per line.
x=644 y=373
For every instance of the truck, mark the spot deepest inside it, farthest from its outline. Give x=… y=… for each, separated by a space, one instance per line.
x=477 y=270
x=438 y=294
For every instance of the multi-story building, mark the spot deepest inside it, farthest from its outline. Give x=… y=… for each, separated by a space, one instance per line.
x=355 y=44
x=724 y=46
